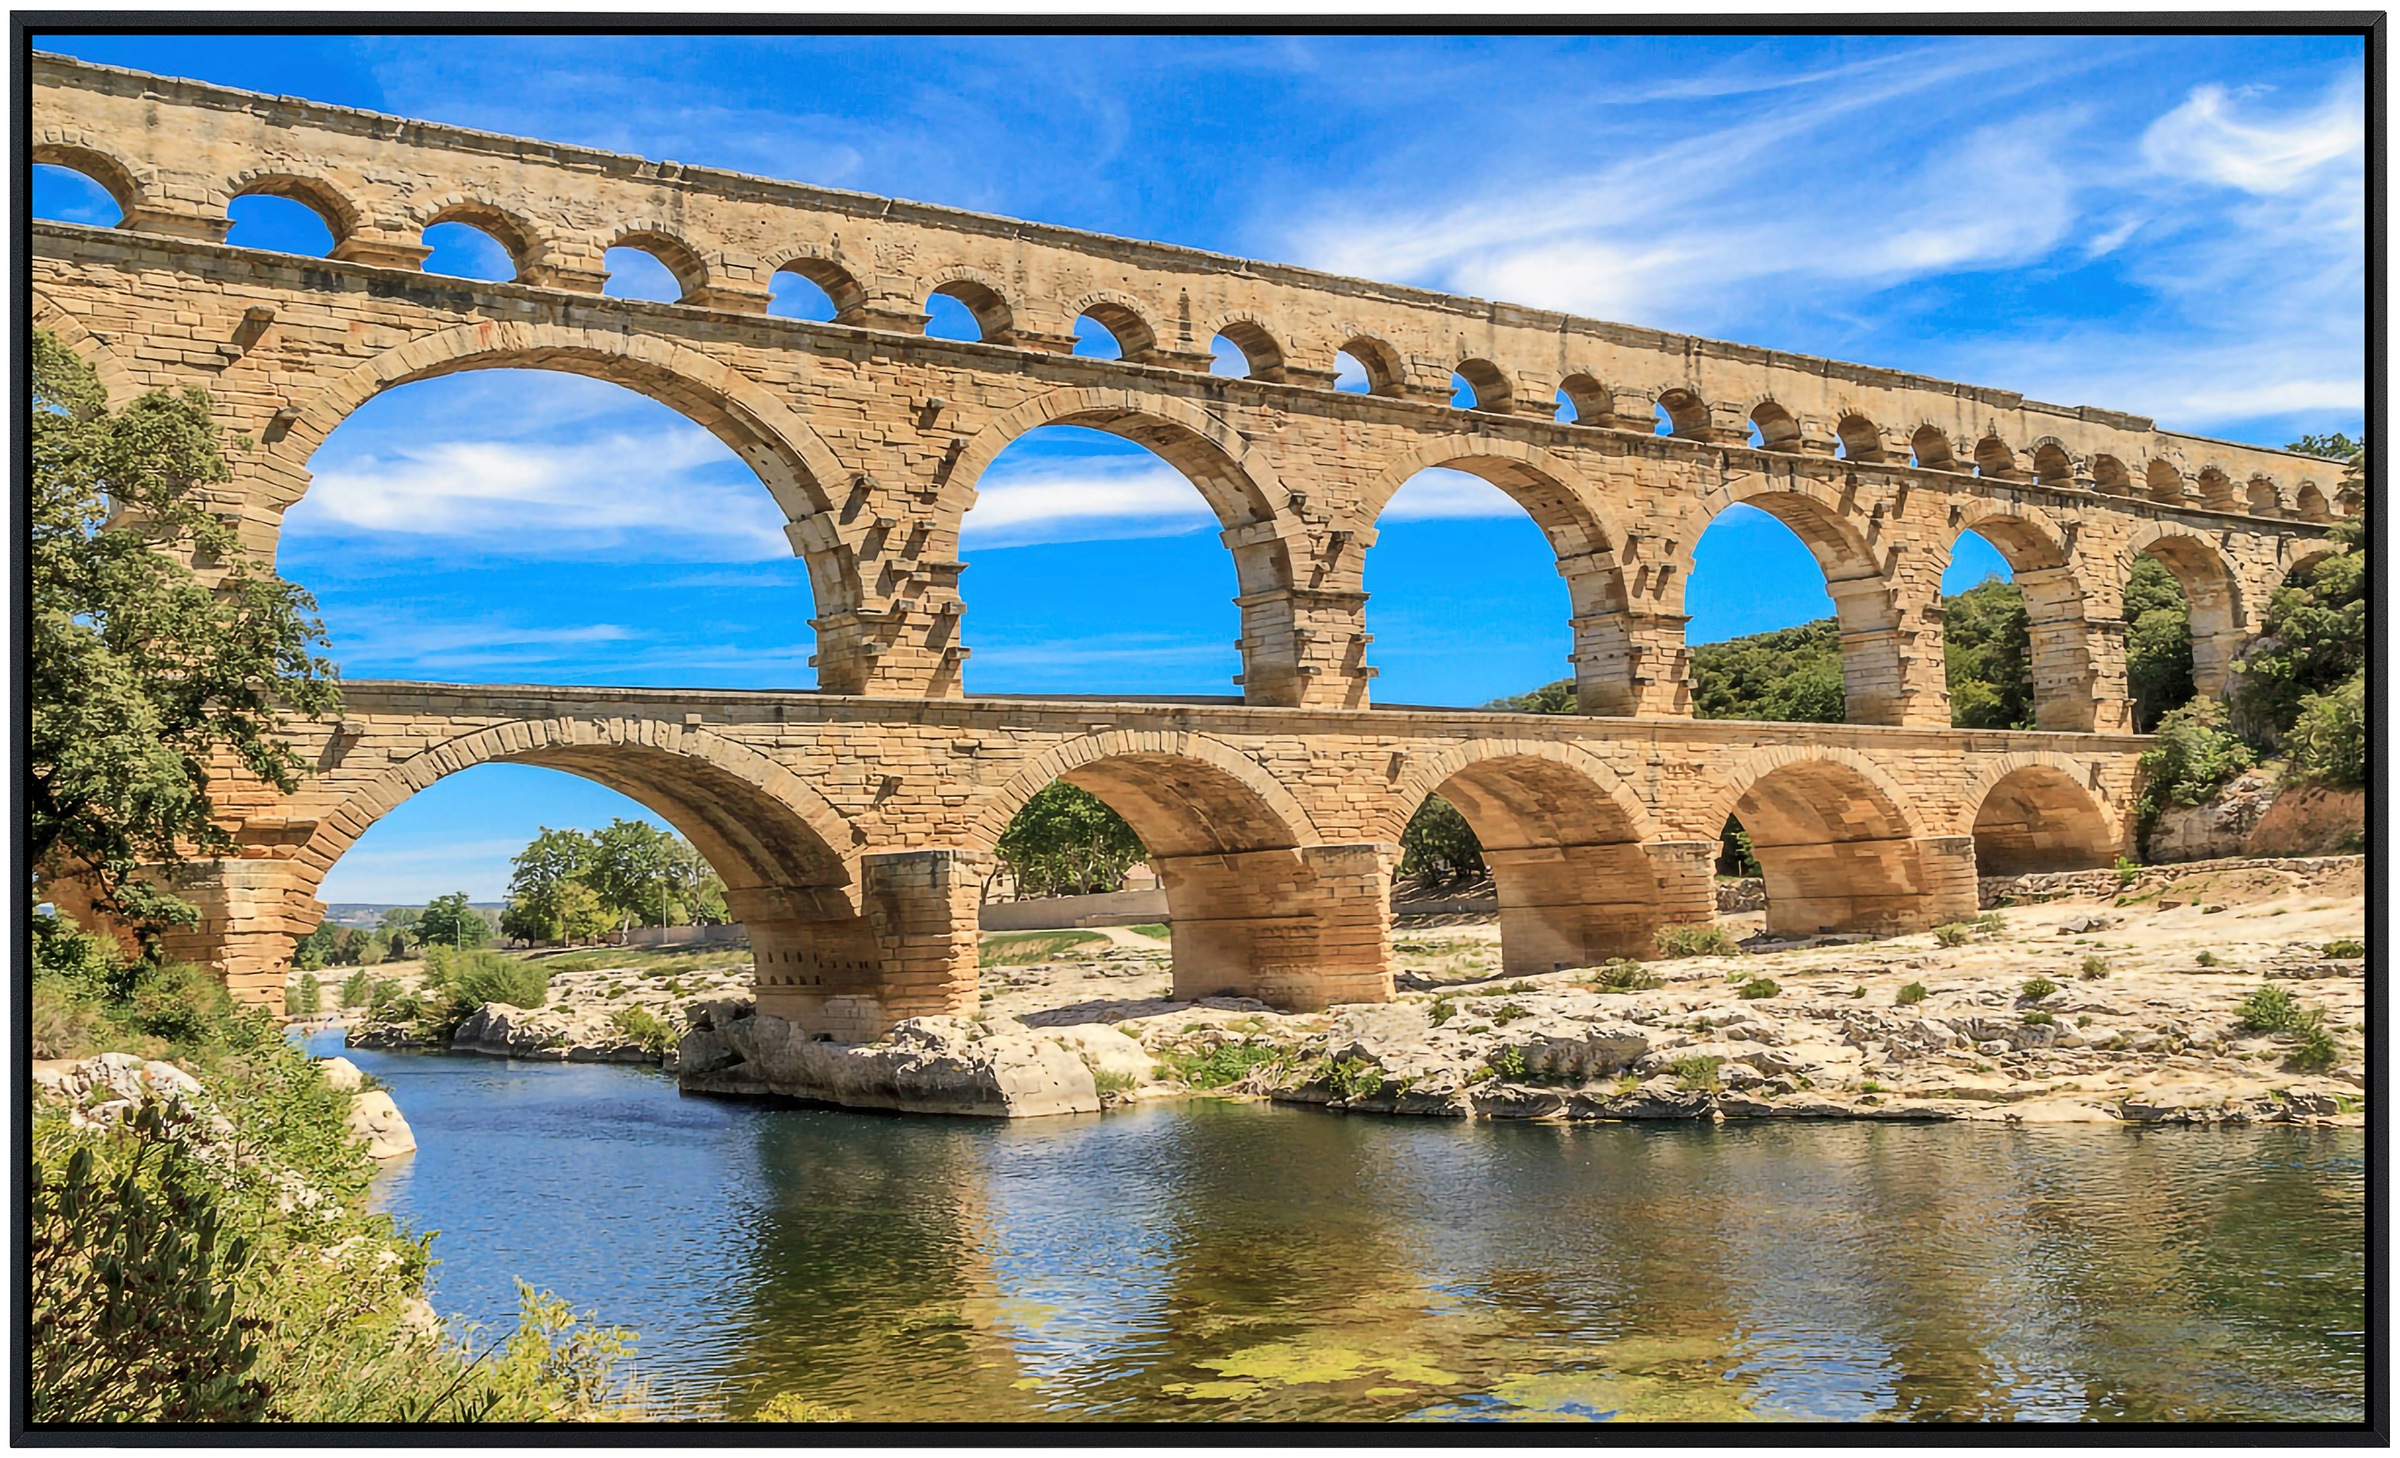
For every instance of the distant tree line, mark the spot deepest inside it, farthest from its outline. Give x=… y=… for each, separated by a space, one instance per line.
x=569 y=886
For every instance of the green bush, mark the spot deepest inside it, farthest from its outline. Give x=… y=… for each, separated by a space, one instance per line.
x=1696 y=939
x=178 y=1002
x=1443 y=1011
x=1507 y=1062
x=1910 y=995
x=2328 y=738
x=2036 y=1017
x=357 y=988
x=1112 y=1085
x=2035 y=989
x=2269 y=1010
x=304 y=997
x=2348 y=949
x=1509 y=1012
x=1697 y=1073
x=1356 y=1078
x=1215 y=1067
x=1758 y=987
x=2190 y=757
x=2128 y=871
x=643 y=1028
x=1952 y=933
x=1622 y=974
x=2313 y=1048
x=1990 y=924
x=2205 y=958
x=2095 y=967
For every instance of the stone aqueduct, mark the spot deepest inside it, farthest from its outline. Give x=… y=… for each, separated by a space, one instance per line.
x=850 y=822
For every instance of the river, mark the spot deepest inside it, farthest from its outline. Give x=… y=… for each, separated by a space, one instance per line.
x=1212 y=1259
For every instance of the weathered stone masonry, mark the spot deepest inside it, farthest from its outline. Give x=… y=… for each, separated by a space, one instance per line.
x=872 y=438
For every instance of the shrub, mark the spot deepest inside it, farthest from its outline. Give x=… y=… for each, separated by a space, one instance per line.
x=357 y=988
x=1216 y=1067
x=303 y=998
x=1696 y=939
x=643 y=1028
x=1990 y=924
x=2314 y=1049
x=1110 y=1085
x=178 y=1002
x=2269 y=1010
x=2095 y=967
x=2346 y=949
x=1697 y=1073
x=1758 y=987
x=2128 y=871
x=2328 y=741
x=2205 y=958
x=1509 y=1012
x=1952 y=933
x=1507 y=1062
x=1910 y=995
x=1443 y=1011
x=2190 y=756
x=2036 y=1017
x=1356 y=1078
x=1623 y=974
x=2035 y=989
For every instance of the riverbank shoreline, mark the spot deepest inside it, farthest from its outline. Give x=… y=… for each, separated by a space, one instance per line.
x=2095 y=1005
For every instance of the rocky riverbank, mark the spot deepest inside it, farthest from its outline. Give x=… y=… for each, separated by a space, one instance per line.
x=2092 y=998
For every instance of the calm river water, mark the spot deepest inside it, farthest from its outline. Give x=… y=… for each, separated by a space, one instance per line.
x=1223 y=1260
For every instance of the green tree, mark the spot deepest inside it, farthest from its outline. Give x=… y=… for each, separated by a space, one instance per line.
x=1551 y=698
x=315 y=951
x=1987 y=648
x=581 y=916
x=1438 y=845
x=1791 y=674
x=2192 y=755
x=449 y=921
x=2158 y=643
x=144 y=682
x=2312 y=639
x=541 y=873
x=629 y=869
x=1065 y=842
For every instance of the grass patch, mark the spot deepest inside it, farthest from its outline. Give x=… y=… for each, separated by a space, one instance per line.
x=2348 y=949
x=1224 y=1064
x=1023 y=949
x=2036 y=1017
x=1622 y=974
x=1111 y=1085
x=2270 y=1010
x=1758 y=987
x=2205 y=959
x=1693 y=939
x=2095 y=967
x=645 y=1029
x=1953 y=933
x=1508 y=1062
x=1910 y=995
x=1509 y=1012
x=1696 y=1074
x=2035 y=989
x=1990 y=924
x=1157 y=930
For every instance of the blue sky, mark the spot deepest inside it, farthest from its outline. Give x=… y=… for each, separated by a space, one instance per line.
x=2170 y=226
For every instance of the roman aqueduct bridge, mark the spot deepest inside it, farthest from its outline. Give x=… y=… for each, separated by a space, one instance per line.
x=849 y=822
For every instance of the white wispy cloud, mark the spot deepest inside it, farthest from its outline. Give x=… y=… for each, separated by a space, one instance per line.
x=1441 y=493
x=1097 y=499
x=656 y=496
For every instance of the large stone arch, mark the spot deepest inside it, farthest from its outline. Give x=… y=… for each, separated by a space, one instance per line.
x=795 y=466
x=1565 y=839
x=1877 y=684
x=116 y=381
x=1839 y=844
x=1237 y=483
x=1260 y=908
x=2212 y=589
x=2036 y=810
x=1619 y=636
x=2041 y=559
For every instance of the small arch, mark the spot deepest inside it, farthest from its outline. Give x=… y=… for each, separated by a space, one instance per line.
x=1183 y=793
x=1994 y=459
x=2312 y=504
x=2035 y=814
x=681 y=261
x=2265 y=500
x=995 y=322
x=2052 y=466
x=1378 y=366
x=1259 y=356
x=106 y=172
x=2163 y=481
x=1485 y=387
x=1123 y=321
x=1684 y=412
x=842 y=295
x=2110 y=478
x=274 y=224
x=1859 y=439
x=2056 y=650
x=1929 y=449
x=1582 y=400
x=2212 y=597
x=335 y=210
x=516 y=237
x=2217 y=490
x=1773 y=427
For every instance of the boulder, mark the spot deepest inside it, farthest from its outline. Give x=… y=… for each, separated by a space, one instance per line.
x=1103 y=1049
x=2218 y=827
x=376 y=1119
x=935 y=1065
x=341 y=1074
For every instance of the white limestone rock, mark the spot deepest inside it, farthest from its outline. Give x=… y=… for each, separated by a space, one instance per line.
x=376 y=1119
x=938 y=1065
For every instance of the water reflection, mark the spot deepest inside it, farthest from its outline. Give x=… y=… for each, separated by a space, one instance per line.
x=1239 y=1261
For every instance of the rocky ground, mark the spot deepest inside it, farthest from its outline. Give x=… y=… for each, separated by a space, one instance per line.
x=2100 y=1005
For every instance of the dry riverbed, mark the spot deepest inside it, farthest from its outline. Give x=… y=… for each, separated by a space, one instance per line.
x=2100 y=1007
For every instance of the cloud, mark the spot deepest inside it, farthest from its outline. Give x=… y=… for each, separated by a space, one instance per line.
x=651 y=496
x=1089 y=500
x=1440 y=494
x=2206 y=141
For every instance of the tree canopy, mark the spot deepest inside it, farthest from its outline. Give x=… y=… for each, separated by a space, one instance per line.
x=143 y=681
x=1067 y=842
x=570 y=885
